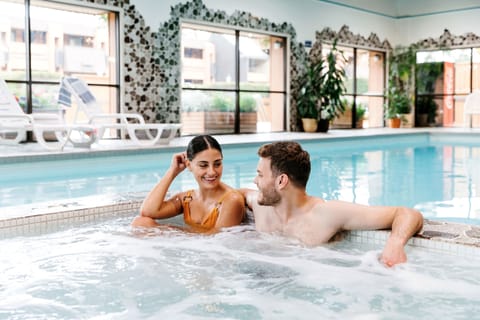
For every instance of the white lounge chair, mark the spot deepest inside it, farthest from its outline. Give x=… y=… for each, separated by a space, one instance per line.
x=14 y=124
x=470 y=107
x=133 y=123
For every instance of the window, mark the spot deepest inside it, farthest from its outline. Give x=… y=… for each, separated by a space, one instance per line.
x=233 y=81
x=443 y=79
x=78 y=41
x=64 y=39
x=39 y=37
x=193 y=81
x=365 y=84
x=193 y=53
x=18 y=35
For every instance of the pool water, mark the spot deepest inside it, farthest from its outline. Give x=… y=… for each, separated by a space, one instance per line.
x=440 y=178
x=109 y=271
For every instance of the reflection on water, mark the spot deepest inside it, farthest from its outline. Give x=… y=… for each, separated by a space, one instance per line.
x=440 y=180
x=110 y=272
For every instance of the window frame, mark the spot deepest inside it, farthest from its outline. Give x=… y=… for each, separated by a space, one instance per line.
x=354 y=94
x=115 y=21
x=454 y=96
x=237 y=90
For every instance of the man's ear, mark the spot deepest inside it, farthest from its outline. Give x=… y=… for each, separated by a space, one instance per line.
x=282 y=181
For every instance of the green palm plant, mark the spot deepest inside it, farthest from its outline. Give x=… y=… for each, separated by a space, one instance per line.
x=333 y=84
x=400 y=83
x=310 y=94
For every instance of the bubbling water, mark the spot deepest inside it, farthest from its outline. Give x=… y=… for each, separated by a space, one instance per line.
x=110 y=271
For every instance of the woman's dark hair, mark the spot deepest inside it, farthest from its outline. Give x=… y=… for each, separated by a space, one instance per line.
x=201 y=143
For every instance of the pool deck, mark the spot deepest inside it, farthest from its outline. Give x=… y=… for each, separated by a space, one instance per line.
x=461 y=239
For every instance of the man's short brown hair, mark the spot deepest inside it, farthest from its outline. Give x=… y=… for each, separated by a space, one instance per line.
x=288 y=157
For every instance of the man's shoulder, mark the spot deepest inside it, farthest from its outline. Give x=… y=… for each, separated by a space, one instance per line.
x=321 y=214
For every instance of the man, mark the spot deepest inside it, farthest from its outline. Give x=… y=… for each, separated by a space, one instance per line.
x=281 y=204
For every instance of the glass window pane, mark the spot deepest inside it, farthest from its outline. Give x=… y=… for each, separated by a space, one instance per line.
x=209 y=61
x=476 y=69
x=370 y=72
x=272 y=110
x=250 y=104
x=44 y=98
x=51 y=24
x=460 y=74
x=67 y=40
x=19 y=90
x=106 y=97
x=430 y=56
x=261 y=62
x=207 y=112
x=262 y=112
x=373 y=116
x=277 y=63
x=429 y=77
x=345 y=60
x=208 y=57
x=12 y=40
x=443 y=71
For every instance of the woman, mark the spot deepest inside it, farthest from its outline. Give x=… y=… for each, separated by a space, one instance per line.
x=212 y=206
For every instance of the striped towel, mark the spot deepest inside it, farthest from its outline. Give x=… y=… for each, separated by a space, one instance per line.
x=81 y=89
x=64 y=96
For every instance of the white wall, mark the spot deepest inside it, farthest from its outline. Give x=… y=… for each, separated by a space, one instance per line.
x=308 y=16
x=458 y=23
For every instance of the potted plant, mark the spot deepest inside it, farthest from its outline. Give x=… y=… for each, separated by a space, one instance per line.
x=344 y=120
x=248 y=112
x=360 y=111
x=397 y=106
x=400 y=85
x=321 y=89
x=310 y=95
x=332 y=86
x=426 y=111
x=428 y=76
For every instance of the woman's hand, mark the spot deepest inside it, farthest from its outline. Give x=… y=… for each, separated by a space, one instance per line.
x=179 y=162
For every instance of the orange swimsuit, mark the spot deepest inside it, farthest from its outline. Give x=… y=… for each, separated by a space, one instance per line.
x=209 y=220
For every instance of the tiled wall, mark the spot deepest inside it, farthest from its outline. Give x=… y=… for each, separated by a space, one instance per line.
x=142 y=76
x=62 y=217
x=82 y=212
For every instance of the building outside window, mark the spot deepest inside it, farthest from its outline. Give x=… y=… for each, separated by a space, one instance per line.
x=64 y=39
x=233 y=81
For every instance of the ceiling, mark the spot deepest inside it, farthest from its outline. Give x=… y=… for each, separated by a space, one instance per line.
x=408 y=8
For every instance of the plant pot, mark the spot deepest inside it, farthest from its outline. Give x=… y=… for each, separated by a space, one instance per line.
x=422 y=120
x=323 y=125
x=309 y=124
x=394 y=122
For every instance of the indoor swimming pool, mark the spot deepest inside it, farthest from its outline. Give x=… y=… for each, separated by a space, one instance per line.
x=437 y=174
x=103 y=269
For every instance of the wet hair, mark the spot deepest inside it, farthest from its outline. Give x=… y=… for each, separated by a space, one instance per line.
x=202 y=143
x=289 y=158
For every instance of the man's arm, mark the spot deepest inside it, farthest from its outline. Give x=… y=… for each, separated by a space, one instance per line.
x=250 y=196
x=404 y=223
x=262 y=214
